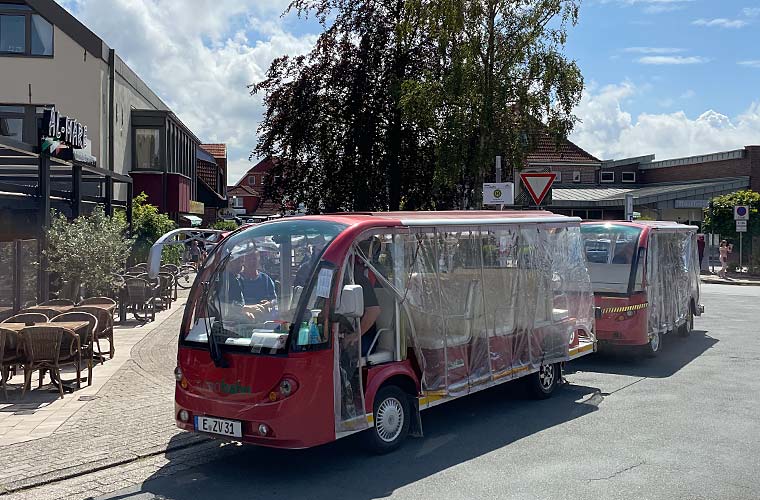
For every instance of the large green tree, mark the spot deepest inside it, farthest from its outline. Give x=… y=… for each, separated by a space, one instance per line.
x=720 y=220
x=405 y=103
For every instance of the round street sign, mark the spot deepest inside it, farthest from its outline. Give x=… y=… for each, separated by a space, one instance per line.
x=741 y=212
x=497 y=193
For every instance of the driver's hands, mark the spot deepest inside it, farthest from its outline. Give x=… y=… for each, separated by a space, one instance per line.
x=255 y=311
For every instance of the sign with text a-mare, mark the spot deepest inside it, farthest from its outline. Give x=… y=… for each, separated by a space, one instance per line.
x=61 y=134
x=538 y=184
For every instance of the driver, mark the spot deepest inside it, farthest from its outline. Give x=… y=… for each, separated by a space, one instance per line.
x=258 y=290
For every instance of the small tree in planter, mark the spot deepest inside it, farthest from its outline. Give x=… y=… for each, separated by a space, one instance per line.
x=88 y=250
x=149 y=225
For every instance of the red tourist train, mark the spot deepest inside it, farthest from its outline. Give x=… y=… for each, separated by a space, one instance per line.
x=301 y=331
x=646 y=280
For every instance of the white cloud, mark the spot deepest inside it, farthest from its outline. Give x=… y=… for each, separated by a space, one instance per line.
x=653 y=50
x=721 y=23
x=608 y=131
x=750 y=64
x=751 y=11
x=659 y=9
x=672 y=60
x=201 y=59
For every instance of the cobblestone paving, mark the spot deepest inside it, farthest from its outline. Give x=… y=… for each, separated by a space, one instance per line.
x=131 y=418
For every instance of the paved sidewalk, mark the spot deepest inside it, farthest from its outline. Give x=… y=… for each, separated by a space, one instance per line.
x=129 y=417
x=733 y=279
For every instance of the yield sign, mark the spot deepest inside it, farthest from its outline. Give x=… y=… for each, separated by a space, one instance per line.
x=538 y=184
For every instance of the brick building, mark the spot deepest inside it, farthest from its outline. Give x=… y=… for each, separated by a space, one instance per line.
x=247 y=198
x=675 y=189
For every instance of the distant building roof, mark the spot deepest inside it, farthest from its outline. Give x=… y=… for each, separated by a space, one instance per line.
x=204 y=155
x=548 y=151
x=242 y=191
x=650 y=193
x=217 y=150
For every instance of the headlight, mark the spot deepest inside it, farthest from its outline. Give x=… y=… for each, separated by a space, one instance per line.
x=178 y=374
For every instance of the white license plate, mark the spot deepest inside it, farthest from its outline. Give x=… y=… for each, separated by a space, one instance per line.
x=231 y=428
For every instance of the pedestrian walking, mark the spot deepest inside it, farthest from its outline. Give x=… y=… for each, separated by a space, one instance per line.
x=724 y=249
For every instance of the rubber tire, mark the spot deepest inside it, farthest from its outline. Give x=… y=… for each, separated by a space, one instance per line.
x=185 y=283
x=648 y=351
x=372 y=440
x=686 y=329
x=537 y=389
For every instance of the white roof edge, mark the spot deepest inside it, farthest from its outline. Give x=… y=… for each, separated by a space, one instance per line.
x=485 y=222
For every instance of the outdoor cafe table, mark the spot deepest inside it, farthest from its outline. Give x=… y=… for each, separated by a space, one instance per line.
x=78 y=327
x=42 y=309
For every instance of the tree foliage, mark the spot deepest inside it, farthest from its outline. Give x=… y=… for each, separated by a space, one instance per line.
x=721 y=221
x=405 y=103
x=148 y=224
x=225 y=225
x=88 y=250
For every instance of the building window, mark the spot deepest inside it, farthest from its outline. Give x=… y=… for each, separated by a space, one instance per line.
x=42 y=36
x=251 y=180
x=237 y=202
x=24 y=32
x=607 y=176
x=629 y=176
x=12 y=34
x=12 y=122
x=558 y=179
x=576 y=176
x=147 y=149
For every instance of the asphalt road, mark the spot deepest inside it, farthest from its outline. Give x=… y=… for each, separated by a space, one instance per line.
x=684 y=425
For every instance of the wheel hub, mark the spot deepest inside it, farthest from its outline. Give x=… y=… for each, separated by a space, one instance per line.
x=390 y=418
x=546 y=376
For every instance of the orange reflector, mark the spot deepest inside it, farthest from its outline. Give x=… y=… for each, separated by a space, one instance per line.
x=273 y=396
x=183 y=383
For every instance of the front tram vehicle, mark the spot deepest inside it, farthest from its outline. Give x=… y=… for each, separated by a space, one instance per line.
x=270 y=348
x=646 y=281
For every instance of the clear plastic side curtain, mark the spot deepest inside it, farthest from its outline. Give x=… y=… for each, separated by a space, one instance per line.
x=492 y=302
x=672 y=275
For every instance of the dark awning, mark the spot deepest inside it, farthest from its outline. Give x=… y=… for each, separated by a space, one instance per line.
x=202 y=154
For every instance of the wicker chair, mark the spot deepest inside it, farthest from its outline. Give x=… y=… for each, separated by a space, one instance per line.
x=27 y=318
x=104 y=330
x=164 y=292
x=98 y=300
x=58 y=302
x=8 y=356
x=49 y=348
x=141 y=298
x=174 y=270
x=85 y=341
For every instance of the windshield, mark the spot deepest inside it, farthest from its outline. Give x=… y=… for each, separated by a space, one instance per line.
x=610 y=253
x=255 y=280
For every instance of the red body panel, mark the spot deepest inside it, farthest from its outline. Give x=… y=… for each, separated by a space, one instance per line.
x=619 y=328
x=305 y=418
x=377 y=375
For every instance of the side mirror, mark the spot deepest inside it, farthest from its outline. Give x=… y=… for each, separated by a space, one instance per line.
x=351 y=302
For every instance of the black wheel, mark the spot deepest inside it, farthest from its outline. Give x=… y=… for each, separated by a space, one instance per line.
x=542 y=383
x=391 y=416
x=654 y=346
x=686 y=329
x=186 y=277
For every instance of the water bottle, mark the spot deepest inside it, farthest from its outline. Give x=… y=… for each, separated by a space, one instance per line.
x=314 y=336
x=303 y=334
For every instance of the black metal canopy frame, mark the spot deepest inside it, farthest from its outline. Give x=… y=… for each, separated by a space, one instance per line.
x=34 y=179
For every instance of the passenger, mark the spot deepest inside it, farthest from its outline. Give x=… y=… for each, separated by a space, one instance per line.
x=259 y=293
x=365 y=278
x=371 y=309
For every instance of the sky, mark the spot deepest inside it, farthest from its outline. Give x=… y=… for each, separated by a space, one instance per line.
x=666 y=77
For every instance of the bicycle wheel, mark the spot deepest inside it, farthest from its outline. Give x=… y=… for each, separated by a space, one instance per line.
x=186 y=277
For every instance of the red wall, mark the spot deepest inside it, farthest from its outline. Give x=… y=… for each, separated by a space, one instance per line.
x=178 y=193
x=150 y=184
